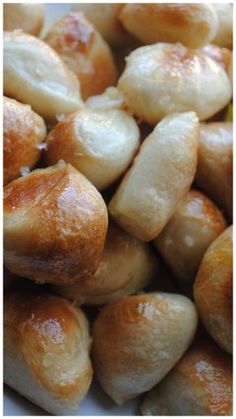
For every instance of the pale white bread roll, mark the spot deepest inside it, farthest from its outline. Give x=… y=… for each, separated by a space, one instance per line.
x=55 y=224
x=214 y=173
x=36 y=75
x=105 y=18
x=200 y=384
x=26 y=16
x=160 y=176
x=127 y=266
x=85 y=52
x=23 y=134
x=137 y=341
x=100 y=144
x=161 y=79
x=224 y=34
x=194 y=25
x=46 y=351
x=213 y=292
x=184 y=240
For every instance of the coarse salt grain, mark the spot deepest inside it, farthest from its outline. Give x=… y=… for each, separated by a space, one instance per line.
x=60 y=117
x=42 y=146
x=24 y=170
x=188 y=241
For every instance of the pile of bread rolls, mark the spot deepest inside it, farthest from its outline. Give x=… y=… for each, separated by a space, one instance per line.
x=118 y=195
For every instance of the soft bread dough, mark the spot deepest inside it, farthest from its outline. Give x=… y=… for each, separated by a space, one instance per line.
x=36 y=75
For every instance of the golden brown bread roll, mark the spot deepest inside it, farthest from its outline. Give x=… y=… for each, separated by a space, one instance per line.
x=127 y=265
x=104 y=17
x=194 y=25
x=222 y=56
x=160 y=176
x=23 y=133
x=215 y=163
x=213 y=289
x=161 y=79
x=26 y=16
x=36 y=75
x=224 y=34
x=200 y=384
x=138 y=340
x=85 y=52
x=100 y=144
x=46 y=351
x=55 y=224
x=184 y=240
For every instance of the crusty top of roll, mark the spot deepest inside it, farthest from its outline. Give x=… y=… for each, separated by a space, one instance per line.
x=53 y=338
x=62 y=219
x=23 y=132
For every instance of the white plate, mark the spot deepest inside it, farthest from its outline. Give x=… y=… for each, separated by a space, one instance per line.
x=96 y=403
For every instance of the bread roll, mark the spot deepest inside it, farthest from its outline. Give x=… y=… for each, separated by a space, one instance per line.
x=161 y=79
x=26 y=16
x=160 y=176
x=215 y=163
x=100 y=144
x=213 y=289
x=55 y=224
x=200 y=384
x=46 y=351
x=222 y=56
x=23 y=133
x=224 y=34
x=194 y=25
x=230 y=71
x=105 y=19
x=184 y=240
x=138 y=340
x=85 y=52
x=36 y=75
x=127 y=266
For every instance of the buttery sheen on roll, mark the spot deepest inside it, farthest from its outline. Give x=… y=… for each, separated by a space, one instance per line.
x=23 y=134
x=137 y=341
x=46 y=351
x=200 y=384
x=160 y=176
x=162 y=79
x=55 y=224
x=85 y=52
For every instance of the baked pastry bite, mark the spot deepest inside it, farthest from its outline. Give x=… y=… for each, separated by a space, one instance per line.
x=161 y=79
x=194 y=25
x=85 y=52
x=46 y=351
x=55 y=224
x=26 y=16
x=199 y=384
x=224 y=34
x=214 y=174
x=23 y=134
x=137 y=341
x=213 y=289
x=194 y=226
x=160 y=176
x=105 y=18
x=127 y=266
x=34 y=74
x=100 y=144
